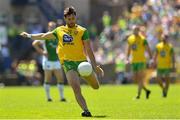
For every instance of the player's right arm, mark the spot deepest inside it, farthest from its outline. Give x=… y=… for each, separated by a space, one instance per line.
x=39 y=36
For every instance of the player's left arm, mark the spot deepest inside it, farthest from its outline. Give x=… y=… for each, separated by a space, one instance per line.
x=90 y=54
x=155 y=58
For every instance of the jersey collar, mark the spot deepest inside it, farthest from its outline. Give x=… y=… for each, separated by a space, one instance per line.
x=72 y=27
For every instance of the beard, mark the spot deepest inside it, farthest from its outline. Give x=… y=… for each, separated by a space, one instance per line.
x=71 y=25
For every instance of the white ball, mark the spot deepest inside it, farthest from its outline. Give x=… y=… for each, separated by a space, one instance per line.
x=85 y=69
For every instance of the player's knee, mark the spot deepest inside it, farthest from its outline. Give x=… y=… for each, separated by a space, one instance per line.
x=76 y=89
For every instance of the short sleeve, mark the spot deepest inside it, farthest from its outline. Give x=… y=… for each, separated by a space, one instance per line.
x=145 y=42
x=172 y=50
x=128 y=41
x=55 y=33
x=85 y=35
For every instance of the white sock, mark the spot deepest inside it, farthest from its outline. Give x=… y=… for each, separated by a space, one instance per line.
x=47 y=90
x=61 y=89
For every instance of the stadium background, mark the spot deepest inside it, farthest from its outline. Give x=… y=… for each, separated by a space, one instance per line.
x=109 y=23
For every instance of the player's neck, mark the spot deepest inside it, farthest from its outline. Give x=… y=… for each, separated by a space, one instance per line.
x=71 y=26
x=136 y=35
x=165 y=42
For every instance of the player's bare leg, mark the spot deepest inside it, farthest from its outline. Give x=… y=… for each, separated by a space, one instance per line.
x=166 y=87
x=160 y=82
x=47 y=78
x=92 y=80
x=136 y=79
x=73 y=79
x=141 y=84
x=60 y=83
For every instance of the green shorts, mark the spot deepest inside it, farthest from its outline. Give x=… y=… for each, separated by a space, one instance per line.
x=71 y=65
x=138 y=66
x=163 y=72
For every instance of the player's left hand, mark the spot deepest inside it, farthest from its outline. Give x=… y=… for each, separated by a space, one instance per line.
x=99 y=71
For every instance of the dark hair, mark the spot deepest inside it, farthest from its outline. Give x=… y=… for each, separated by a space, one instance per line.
x=165 y=36
x=136 y=27
x=69 y=10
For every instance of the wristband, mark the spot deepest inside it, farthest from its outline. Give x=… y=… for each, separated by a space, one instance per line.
x=29 y=35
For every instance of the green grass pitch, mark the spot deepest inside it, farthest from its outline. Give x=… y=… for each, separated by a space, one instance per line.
x=109 y=102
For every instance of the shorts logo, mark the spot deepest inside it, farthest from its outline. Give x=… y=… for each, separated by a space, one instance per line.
x=67 y=38
x=134 y=47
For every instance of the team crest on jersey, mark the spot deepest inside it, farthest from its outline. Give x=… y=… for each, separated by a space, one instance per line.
x=75 y=32
x=67 y=38
x=163 y=53
x=134 y=47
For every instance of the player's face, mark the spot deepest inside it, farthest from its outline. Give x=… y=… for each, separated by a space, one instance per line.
x=70 y=20
x=165 y=38
x=136 y=31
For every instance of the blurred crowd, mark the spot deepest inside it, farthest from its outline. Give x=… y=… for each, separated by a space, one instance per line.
x=154 y=16
x=17 y=56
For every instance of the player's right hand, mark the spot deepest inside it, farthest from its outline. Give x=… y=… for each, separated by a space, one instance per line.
x=24 y=34
x=99 y=71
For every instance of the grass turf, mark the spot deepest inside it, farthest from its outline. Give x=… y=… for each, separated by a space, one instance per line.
x=109 y=102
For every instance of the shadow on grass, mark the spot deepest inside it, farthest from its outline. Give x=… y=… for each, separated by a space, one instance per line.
x=99 y=116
